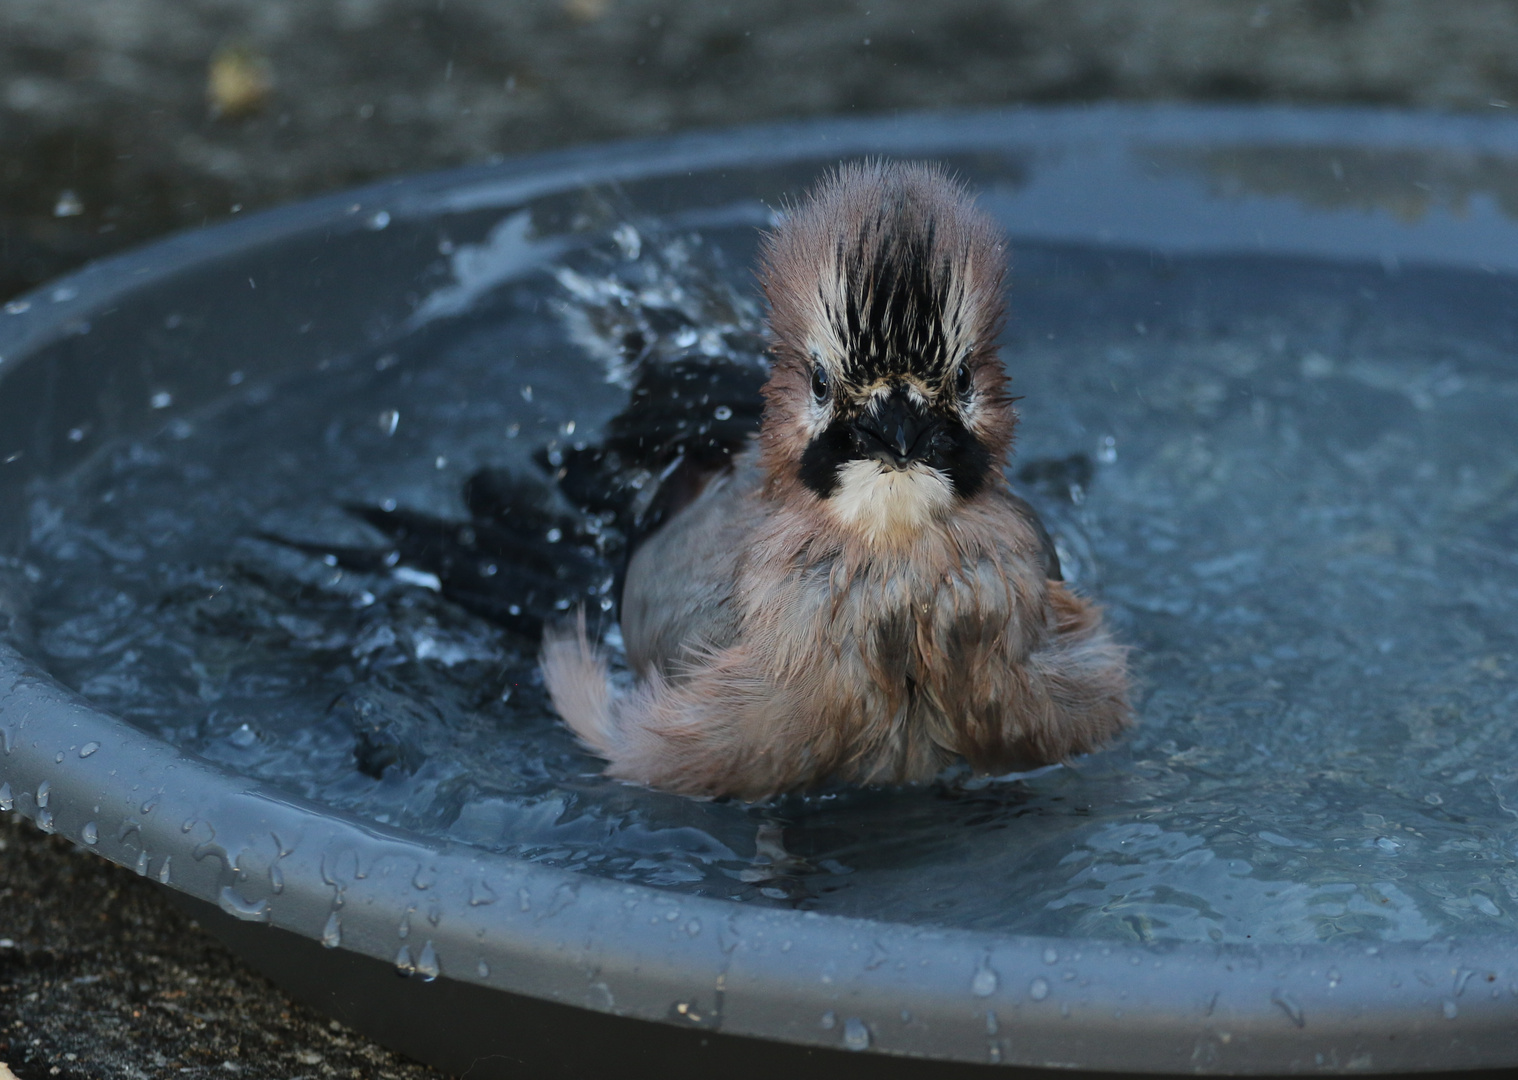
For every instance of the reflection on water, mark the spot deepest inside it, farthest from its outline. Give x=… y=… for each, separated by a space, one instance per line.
x=1304 y=514
x=1407 y=184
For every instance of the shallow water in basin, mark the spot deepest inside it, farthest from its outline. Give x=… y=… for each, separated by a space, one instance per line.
x=1303 y=518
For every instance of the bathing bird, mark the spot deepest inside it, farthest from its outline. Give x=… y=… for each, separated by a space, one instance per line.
x=852 y=592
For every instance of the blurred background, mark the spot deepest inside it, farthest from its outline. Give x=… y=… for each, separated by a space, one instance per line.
x=124 y=119
x=121 y=120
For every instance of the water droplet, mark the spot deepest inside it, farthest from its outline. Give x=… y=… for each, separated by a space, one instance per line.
x=481 y=894
x=58 y=758
x=42 y=790
x=1038 y=989
x=88 y=748
x=163 y=871
x=628 y=240
x=524 y=899
x=403 y=964
x=389 y=420
x=147 y=807
x=1288 y=1005
x=527 y=392
x=7 y=800
x=90 y=834
x=829 y=1020
x=426 y=963
x=161 y=400
x=482 y=969
x=1051 y=956
x=722 y=412
x=243 y=737
x=1451 y=1010
x=238 y=908
x=379 y=220
x=1106 y=453
x=45 y=820
x=856 y=1036
x=993 y=1052
x=1333 y=977
x=142 y=864
x=985 y=982
x=68 y=205
x=276 y=878
x=693 y=927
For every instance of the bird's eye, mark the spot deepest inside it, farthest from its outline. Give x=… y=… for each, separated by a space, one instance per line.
x=964 y=382
x=819 y=383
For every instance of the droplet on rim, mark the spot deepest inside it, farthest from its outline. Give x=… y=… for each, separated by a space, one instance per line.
x=426 y=963
x=985 y=982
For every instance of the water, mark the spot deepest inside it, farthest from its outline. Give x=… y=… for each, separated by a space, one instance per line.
x=1302 y=517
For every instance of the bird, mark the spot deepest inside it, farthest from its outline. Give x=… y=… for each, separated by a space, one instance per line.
x=848 y=591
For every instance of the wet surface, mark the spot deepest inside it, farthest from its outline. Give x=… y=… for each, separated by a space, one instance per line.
x=1300 y=517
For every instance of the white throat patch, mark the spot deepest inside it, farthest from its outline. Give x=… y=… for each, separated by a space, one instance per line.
x=889 y=505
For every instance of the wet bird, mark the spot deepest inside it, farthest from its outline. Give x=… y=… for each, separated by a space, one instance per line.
x=853 y=593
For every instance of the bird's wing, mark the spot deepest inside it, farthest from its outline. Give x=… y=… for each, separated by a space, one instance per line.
x=661 y=317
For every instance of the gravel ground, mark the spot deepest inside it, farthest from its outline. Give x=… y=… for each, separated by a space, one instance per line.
x=100 y=977
x=111 y=137
x=124 y=119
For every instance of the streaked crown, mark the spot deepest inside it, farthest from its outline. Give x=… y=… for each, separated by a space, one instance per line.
x=885 y=291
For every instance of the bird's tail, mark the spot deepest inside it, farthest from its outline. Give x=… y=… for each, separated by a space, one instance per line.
x=1085 y=674
x=579 y=685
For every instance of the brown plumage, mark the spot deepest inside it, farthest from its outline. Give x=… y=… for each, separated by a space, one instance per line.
x=860 y=596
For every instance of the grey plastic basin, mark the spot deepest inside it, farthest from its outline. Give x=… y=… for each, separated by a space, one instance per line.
x=529 y=970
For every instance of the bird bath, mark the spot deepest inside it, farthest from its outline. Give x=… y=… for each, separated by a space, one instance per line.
x=1281 y=343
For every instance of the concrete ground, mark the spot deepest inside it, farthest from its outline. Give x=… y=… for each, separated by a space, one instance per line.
x=124 y=119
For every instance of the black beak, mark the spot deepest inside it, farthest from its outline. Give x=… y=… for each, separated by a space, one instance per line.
x=898 y=432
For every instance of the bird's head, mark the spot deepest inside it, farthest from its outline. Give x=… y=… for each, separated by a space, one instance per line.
x=887 y=401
